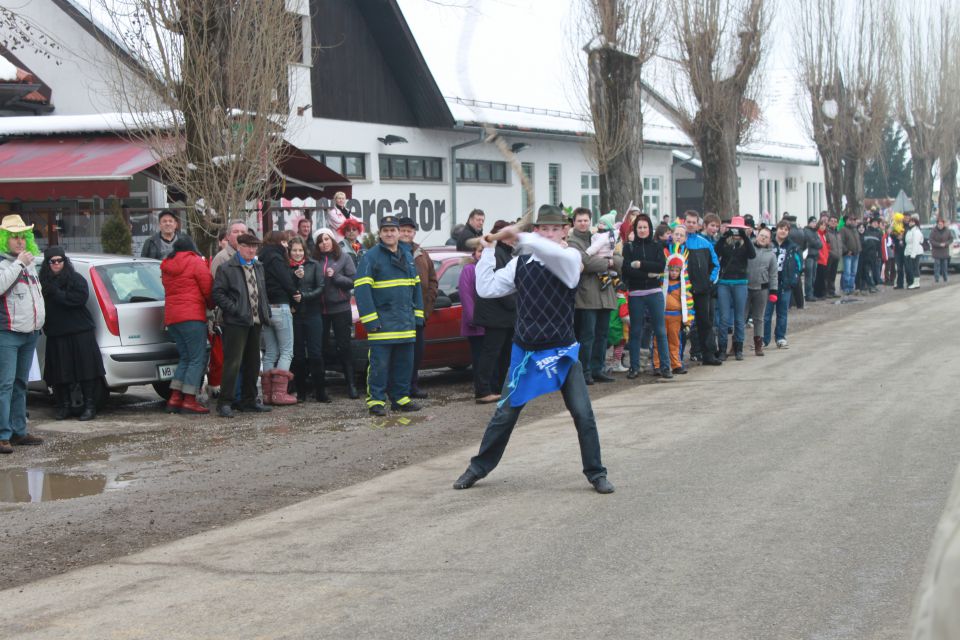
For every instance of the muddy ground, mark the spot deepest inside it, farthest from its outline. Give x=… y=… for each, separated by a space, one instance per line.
x=145 y=477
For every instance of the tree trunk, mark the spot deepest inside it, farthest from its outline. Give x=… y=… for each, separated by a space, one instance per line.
x=948 y=188
x=718 y=154
x=922 y=186
x=853 y=169
x=617 y=110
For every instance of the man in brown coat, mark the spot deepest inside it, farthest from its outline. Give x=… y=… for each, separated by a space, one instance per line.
x=596 y=295
x=429 y=286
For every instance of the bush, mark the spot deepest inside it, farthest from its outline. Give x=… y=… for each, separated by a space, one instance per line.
x=115 y=235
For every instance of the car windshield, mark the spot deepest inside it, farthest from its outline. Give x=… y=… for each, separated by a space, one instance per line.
x=129 y=282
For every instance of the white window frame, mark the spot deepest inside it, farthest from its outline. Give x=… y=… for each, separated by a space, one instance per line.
x=590 y=195
x=653 y=196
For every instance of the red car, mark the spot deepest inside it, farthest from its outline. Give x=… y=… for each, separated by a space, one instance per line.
x=444 y=346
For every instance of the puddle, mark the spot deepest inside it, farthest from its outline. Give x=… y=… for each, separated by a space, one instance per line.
x=37 y=485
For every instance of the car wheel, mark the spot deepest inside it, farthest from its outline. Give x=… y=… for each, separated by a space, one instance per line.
x=162 y=389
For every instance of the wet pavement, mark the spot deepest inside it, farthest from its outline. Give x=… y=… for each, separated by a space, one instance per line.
x=136 y=476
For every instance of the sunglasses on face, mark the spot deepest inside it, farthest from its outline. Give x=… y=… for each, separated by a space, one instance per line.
x=56 y=261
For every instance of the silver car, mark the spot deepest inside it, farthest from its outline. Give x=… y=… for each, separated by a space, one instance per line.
x=126 y=302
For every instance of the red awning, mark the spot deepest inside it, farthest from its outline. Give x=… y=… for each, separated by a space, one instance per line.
x=303 y=176
x=69 y=168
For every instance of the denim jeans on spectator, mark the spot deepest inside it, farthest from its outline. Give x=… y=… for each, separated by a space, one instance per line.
x=191 y=340
x=849 y=279
x=732 y=304
x=577 y=401
x=782 y=307
x=592 y=328
x=653 y=305
x=278 y=338
x=16 y=356
x=940 y=268
x=809 y=275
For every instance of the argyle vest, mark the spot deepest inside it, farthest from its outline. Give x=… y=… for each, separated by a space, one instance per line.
x=544 y=308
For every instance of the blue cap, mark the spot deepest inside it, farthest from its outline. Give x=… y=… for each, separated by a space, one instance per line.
x=389 y=221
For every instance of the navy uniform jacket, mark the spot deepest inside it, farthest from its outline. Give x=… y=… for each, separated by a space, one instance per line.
x=389 y=298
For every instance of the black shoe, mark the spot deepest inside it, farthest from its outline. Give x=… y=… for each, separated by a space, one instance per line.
x=378 y=410
x=418 y=394
x=321 y=396
x=666 y=374
x=633 y=373
x=410 y=407
x=224 y=411
x=63 y=412
x=602 y=377
x=588 y=379
x=466 y=480
x=89 y=412
x=256 y=408
x=601 y=485
x=712 y=362
x=679 y=371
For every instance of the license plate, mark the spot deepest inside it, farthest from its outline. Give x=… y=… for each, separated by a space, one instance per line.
x=165 y=371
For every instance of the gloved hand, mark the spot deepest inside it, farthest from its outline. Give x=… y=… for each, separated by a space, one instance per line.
x=773 y=297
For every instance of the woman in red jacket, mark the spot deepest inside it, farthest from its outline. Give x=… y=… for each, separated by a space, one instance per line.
x=820 y=278
x=187 y=283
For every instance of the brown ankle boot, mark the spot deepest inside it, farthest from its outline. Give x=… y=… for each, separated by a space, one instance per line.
x=758 y=345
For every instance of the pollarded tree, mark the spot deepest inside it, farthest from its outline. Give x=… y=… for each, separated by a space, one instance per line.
x=623 y=35
x=719 y=49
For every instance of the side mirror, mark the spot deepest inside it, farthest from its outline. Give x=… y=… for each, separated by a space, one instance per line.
x=442 y=302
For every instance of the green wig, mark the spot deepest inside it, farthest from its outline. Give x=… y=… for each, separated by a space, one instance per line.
x=31 y=241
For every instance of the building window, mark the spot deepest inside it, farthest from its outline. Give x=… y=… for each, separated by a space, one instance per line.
x=590 y=192
x=527 y=168
x=553 y=176
x=481 y=171
x=776 y=194
x=651 y=196
x=410 y=168
x=351 y=165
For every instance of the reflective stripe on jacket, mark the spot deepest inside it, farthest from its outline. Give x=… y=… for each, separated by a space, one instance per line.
x=389 y=298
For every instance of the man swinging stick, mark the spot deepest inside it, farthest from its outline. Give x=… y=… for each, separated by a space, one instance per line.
x=544 y=276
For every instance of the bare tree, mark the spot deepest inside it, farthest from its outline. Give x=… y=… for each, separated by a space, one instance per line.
x=949 y=138
x=209 y=95
x=719 y=49
x=622 y=36
x=17 y=32
x=847 y=80
x=924 y=46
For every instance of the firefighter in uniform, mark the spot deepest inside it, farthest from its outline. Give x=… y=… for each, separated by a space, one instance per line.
x=390 y=304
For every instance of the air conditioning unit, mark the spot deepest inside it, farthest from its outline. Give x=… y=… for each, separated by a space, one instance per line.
x=791 y=184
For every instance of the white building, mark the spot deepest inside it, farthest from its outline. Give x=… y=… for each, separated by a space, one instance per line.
x=351 y=100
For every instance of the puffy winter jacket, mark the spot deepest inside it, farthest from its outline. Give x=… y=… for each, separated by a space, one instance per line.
x=812 y=242
x=591 y=294
x=703 y=266
x=836 y=244
x=851 y=241
x=311 y=287
x=187 y=286
x=762 y=270
x=734 y=252
x=21 y=303
x=648 y=253
x=281 y=284
x=914 y=242
x=152 y=247
x=940 y=241
x=336 y=289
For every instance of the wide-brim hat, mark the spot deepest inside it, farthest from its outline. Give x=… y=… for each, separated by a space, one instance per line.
x=737 y=222
x=14 y=224
x=551 y=214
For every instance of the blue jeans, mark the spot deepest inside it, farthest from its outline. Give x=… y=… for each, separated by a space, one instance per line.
x=16 y=356
x=191 y=340
x=850 y=264
x=592 y=328
x=732 y=304
x=782 y=307
x=278 y=338
x=809 y=274
x=638 y=306
x=940 y=268
x=577 y=400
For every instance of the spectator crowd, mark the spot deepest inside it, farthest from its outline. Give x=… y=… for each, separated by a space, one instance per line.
x=254 y=319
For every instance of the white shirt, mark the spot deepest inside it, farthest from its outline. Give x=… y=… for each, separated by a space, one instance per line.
x=562 y=262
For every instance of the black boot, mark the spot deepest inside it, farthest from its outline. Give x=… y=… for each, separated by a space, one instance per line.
x=89 y=400
x=318 y=373
x=61 y=397
x=299 y=370
x=738 y=350
x=351 y=377
x=722 y=355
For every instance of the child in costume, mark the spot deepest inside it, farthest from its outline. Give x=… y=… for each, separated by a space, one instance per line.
x=678 y=299
x=619 y=332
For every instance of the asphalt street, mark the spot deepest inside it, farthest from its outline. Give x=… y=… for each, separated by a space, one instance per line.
x=790 y=496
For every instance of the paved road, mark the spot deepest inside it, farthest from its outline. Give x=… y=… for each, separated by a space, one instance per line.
x=790 y=496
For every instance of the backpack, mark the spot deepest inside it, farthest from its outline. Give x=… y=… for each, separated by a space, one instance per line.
x=792 y=267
